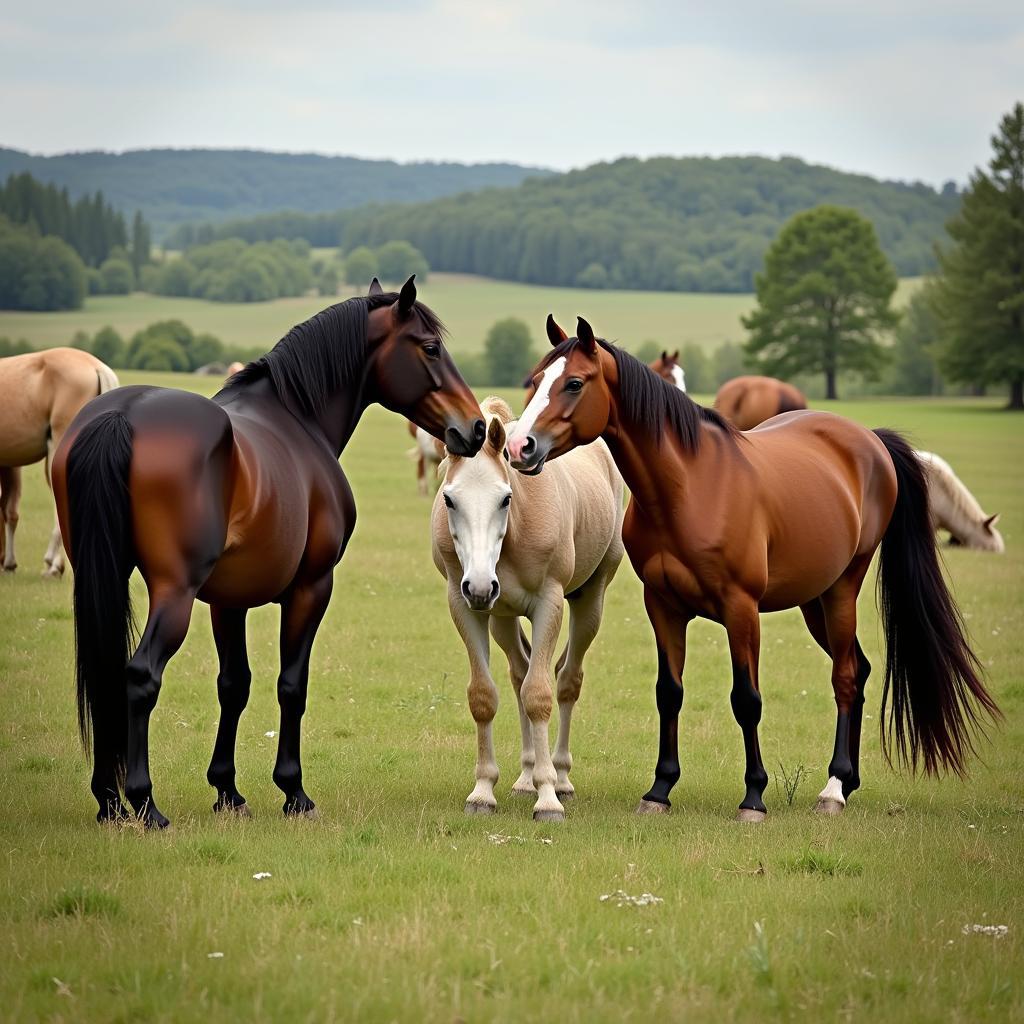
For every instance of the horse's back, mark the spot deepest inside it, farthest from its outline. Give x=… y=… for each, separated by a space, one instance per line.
x=750 y=400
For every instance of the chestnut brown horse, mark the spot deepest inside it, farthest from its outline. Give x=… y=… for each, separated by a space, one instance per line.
x=747 y=401
x=238 y=502
x=727 y=525
x=667 y=368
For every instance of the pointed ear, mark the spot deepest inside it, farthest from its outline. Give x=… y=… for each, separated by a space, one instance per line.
x=664 y=355
x=990 y=522
x=407 y=297
x=375 y=288
x=675 y=356
x=585 y=334
x=496 y=436
x=555 y=333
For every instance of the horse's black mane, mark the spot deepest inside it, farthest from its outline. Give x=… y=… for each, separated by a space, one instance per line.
x=318 y=357
x=651 y=402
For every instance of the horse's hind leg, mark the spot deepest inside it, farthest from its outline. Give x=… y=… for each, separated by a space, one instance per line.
x=10 y=499
x=585 y=609
x=170 y=608
x=301 y=614
x=233 y=683
x=508 y=634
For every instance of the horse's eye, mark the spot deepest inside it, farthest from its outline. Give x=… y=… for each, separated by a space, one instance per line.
x=574 y=385
x=506 y=501
x=448 y=501
x=432 y=351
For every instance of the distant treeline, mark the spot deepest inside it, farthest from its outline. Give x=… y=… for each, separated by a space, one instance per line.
x=172 y=186
x=695 y=224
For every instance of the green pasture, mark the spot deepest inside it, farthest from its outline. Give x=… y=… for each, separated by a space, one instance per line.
x=395 y=906
x=469 y=305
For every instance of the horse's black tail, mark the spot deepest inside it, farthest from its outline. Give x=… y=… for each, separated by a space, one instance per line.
x=938 y=696
x=99 y=508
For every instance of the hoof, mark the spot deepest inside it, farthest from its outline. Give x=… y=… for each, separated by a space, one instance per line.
x=751 y=814
x=652 y=807
x=569 y=794
x=524 y=791
x=829 y=807
x=153 y=819
x=475 y=808
x=10 y=568
x=300 y=806
x=549 y=815
x=52 y=574
x=229 y=807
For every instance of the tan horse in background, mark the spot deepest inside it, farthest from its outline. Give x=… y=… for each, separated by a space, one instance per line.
x=40 y=394
x=955 y=509
x=512 y=545
x=747 y=401
x=427 y=452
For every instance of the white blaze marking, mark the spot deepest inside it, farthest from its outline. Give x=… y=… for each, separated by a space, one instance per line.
x=833 y=791
x=679 y=377
x=540 y=400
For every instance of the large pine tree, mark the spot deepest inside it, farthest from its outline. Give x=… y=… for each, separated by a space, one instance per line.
x=980 y=295
x=823 y=298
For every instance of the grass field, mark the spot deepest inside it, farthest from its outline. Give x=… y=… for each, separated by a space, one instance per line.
x=469 y=305
x=394 y=906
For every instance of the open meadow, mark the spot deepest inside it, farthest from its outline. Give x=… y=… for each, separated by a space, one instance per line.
x=469 y=305
x=394 y=905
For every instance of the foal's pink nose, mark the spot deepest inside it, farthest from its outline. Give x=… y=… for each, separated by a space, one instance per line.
x=515 y=447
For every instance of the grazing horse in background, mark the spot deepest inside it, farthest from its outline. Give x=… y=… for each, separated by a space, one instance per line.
x=747 y=401
x=512 y=545
x=955 y=509
x=234 y=368
x=40 y=394
x=237 y=501
x=428 y=452
x=667 y=368
x=727 y=525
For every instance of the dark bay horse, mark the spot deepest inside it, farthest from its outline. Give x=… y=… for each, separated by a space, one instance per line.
x=747 y=401
x=726 y=525
x=236 y=501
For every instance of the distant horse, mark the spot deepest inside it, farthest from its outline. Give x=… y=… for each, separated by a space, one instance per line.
x=726 y=525
x=237 y=501
x=40 y=394
x=667 y=368
x=428 y=452
x=510 y=546
x=747 y=401
x=955 y=509
x=234 y=368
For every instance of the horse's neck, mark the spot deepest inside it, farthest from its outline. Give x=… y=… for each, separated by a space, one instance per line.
x=341 y=416
x=953 y=505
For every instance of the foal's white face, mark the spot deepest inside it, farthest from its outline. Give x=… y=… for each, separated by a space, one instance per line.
x=478 y=495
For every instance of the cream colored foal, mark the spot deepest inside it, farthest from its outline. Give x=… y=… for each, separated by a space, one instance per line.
x=511 y=545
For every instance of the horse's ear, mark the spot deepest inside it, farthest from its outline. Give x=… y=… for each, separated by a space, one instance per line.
x=585 y=334
x=375 y=288
x=990 y=522
x=664 y=355
x=675 y=356
x=407 y=297
x=555 y=333
x=496 y=435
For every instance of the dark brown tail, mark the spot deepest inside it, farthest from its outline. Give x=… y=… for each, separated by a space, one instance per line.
x=938 y=697
x=99 y=507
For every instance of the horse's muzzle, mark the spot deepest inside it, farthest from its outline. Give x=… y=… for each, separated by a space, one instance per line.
x=529 y=455
x=466 y=439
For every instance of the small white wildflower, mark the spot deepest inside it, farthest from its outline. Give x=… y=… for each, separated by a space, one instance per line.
x=623 y=899
x=546 y=842
x=803 y=693
x=500 y=839
x=216 y=955
x=972 y=826
x=270 y=734
x=260 y=875
x=997 y=931
x=357 y=920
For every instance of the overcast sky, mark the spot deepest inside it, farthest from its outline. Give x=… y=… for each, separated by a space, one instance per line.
x=897 y=89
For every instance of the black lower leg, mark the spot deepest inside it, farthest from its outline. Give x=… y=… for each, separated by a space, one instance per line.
x=669 y=693
x=746 y=706
x=856 y=716
x=143 y=690
x=233 y=684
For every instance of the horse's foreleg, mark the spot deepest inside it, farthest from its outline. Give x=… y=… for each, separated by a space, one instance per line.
x=670 y=636
x=301 y=614
x=170 y=609
x=54 y=557
x=482 y=696
x=10 y=499
x=508 y=634
x=233 y=683
x=537 y=700
x=744 y=629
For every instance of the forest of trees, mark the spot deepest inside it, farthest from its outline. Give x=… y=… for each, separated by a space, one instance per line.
x=693 y=224
x=172 y=186
x=38 y=272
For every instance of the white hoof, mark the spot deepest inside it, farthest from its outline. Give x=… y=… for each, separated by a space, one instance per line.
x=751 y=815
x=550 y=815
x=474 y=808
x=652 y=807
x=828 y=806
